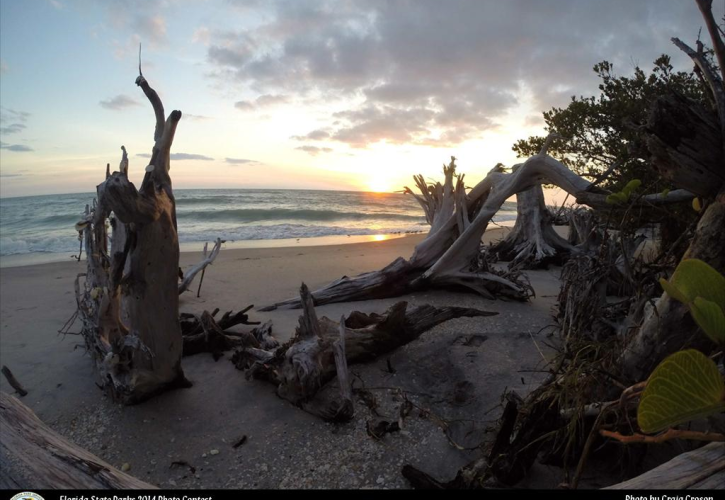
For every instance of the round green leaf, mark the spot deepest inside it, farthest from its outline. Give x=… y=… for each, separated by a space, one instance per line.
x=710 y=317
x=694 y=278
x=673 y=292
x=686 y=385
x=616 y=198
x=631 y=186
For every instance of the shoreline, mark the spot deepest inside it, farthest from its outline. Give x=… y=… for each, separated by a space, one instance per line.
x=192 y=247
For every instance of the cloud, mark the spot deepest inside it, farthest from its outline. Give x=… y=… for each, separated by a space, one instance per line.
x=180 y=156
x=11 y=175
x=8 y=114
x=189 y=156
x=534 y=121
x=199 y=118
x=314 y=150
x=151 y=29
x=3 y=67
x=315 y=135
x=438 y=73
x=17 y=148
x=263 y=101
x=201 y=35
x=240 y=161
x=119 y=102
x=138 y=21
x=13 y=128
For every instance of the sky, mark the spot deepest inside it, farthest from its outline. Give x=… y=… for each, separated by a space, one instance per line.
x=346 y=94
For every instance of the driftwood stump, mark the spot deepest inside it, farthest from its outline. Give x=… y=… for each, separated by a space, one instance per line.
x=129 y=299
x=322 y=349
x=533 y=242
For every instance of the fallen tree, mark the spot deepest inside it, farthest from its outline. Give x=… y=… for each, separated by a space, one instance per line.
x=321 y=350
x=450 y=256
x=129 y=299
x=34 y=456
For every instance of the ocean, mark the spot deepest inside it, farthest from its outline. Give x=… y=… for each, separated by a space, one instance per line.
x=42 y=226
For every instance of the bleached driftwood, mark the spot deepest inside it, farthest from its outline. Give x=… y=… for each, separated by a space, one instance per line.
x=322 y=348
x=449 y=255
x=703 y=468
x=129 y=301
x=207 y=259
x=532 y=242
x=32 y=456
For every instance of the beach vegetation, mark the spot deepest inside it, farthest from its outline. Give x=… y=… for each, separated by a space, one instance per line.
x=603 y=136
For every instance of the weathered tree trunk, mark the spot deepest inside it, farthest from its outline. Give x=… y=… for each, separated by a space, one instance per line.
x=703 y=468
x=129 y=303
x=685 y=142
x=532 y=243
x=322 y=348
x=32 y=456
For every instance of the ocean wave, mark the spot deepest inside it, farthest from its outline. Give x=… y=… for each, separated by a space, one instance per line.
x=287 y=231
x=45 y=224
x=260 y=214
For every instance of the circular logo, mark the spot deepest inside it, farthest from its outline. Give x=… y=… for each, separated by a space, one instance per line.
x=27 y=495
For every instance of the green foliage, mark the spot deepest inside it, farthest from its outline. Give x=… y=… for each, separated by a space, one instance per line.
x=702 y=288
x=686 y=385
x=604 y=129
x=710 y=317
x=625 y=194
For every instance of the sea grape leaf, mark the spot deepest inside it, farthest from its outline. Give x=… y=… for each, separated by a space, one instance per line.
x=710 y=317
x=631 y=186
x=672 y=291
x=685 y=386
x=616 y=198
x=694 y=278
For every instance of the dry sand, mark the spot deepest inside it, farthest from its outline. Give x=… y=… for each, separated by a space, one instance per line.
x=458 y=370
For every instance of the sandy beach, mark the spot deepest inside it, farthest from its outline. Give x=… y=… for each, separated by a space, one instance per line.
x=455 y=374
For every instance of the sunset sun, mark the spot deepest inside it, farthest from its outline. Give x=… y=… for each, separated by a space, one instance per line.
x=379 y=185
